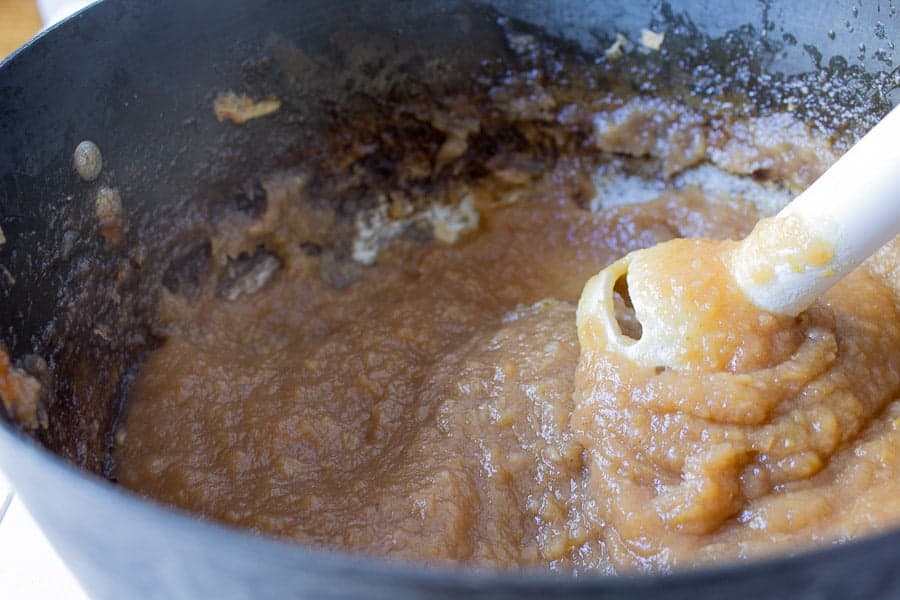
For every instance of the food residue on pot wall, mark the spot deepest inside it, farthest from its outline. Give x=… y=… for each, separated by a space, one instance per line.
x=20 y=394
x=240 y=108
x=110 y=218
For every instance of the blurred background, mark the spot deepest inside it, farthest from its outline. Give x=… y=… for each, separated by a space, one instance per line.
x=21 y=19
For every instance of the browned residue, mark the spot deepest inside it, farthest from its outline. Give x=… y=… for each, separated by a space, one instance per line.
x=240 y=108
x=20 y=394
x=110 y=220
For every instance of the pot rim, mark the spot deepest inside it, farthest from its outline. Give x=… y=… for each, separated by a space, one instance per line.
x=27 y=454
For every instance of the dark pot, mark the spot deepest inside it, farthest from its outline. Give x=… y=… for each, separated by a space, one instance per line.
x=138 y=77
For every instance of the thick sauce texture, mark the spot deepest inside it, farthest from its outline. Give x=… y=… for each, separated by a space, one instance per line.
x=440 y=406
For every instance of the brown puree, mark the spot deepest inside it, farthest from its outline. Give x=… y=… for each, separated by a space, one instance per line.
x=439 y=408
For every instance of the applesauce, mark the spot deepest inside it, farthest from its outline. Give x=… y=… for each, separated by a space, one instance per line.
x=426 y=397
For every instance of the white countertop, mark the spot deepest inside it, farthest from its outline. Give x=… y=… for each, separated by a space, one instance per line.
x=30 y=569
